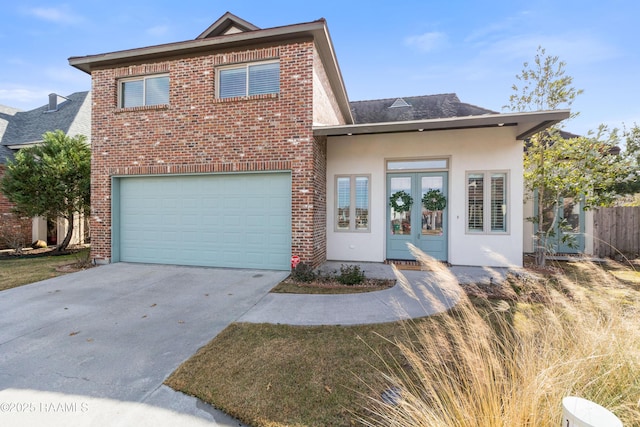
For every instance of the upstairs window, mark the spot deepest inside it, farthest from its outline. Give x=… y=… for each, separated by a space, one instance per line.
x=144 y=91
x=249 y=79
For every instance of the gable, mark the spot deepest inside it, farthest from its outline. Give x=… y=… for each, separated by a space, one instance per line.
x=227 y=24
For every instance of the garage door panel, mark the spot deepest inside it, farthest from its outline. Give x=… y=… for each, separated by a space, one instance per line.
x=212 y=220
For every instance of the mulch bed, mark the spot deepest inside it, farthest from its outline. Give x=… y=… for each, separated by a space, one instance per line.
x=39 y=252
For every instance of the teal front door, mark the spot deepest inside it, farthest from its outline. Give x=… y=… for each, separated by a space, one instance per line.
x=426 y=229
x=567 y=236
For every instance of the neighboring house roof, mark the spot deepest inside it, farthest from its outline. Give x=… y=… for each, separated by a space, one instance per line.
x=5 y=154
x=23 y=128
x=6 y=115
x=414 y=108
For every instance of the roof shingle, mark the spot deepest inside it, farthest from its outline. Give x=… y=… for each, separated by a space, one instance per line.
x=413 y=108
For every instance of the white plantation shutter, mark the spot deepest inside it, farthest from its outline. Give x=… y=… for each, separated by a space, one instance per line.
x=362 y=202
x=487 y=202
x=498 y=202
x=344 y=201
x=264 y=78
x=475 y=202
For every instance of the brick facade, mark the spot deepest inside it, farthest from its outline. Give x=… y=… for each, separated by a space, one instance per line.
x=198 y=133
x=12 y=228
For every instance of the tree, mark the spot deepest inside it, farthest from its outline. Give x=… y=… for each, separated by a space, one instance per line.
x=558 y=167
x=51 y=179
x=586 y=167
x=631 y=154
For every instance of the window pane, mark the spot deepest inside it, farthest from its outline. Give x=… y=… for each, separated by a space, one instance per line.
x=233 y=82
x=475 y=215
x=132 y=93
x=498 y=202
x=157 y=91
x=417 y=164
x=401 y=219
x=571 y=214
x=343 y=199
x=362 y=203
x=264 y=78
x=431 y=220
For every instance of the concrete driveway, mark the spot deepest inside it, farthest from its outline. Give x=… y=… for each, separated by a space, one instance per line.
x=93 y=348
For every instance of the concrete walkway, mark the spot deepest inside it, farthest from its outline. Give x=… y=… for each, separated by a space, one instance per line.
x=425 y=294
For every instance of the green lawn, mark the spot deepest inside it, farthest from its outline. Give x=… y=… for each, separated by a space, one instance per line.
x=22 y=271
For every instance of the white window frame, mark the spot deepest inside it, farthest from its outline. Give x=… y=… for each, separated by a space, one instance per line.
x=352 y=204
x=144 y=89
x=486 y=202
x=246 y=67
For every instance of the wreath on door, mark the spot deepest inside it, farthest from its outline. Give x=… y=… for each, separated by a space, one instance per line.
x=434 y=200
x=401 y=201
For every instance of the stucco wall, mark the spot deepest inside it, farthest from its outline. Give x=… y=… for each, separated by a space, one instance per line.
x=467 y=150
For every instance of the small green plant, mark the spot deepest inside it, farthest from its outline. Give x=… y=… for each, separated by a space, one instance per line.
x=350 y=275
x=83 y=259
x=303 y=273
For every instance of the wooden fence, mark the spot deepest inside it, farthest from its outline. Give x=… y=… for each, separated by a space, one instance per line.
x=616 y=230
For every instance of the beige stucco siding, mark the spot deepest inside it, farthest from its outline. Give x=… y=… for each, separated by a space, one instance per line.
x=467 y=150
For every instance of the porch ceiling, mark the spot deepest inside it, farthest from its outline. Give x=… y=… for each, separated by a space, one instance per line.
x=527 y=124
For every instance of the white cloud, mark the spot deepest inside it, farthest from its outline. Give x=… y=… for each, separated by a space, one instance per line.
x=573 y=48
x=158 y=30
x=498 y=29
x=427 y=42
x=67 y=75
x=23 y=98
x=59 y=15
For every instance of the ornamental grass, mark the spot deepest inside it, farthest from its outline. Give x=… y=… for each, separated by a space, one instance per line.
x=511 y=362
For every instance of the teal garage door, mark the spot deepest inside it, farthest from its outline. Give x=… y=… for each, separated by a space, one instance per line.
x=228 y=220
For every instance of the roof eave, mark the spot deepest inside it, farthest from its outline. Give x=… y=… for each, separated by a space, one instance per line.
x=24 y=145
x=328 y=55
x=527 y=124
x=89 y=62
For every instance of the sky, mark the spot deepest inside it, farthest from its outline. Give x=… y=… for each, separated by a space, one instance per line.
x=385 y=49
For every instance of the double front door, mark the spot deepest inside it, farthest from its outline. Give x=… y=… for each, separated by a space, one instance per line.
x=409 y=221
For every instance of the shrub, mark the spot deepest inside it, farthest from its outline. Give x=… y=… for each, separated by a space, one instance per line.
x=350 y=275
x=303 y=273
